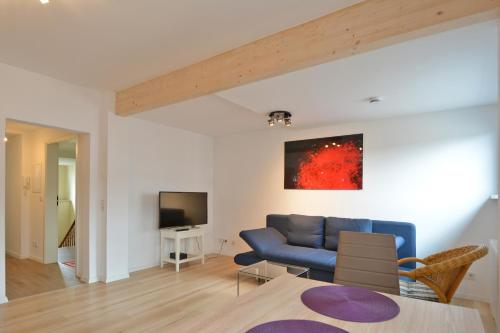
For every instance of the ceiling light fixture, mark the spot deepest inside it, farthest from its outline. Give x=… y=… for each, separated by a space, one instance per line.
x=44 y=2
x=280 y=117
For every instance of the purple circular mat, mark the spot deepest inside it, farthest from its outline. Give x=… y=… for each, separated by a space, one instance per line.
x=350 y=304
x=295 y=326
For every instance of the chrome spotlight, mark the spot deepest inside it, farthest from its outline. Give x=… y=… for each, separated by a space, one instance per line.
x=277 y=117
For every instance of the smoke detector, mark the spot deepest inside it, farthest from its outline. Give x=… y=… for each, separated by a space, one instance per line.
x=374 y=99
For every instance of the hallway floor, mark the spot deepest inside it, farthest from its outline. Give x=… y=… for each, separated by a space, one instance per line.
x=65 y=254
x=25 y=277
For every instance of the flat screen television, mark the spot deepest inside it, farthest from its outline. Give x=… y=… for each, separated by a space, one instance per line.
x=182 y=209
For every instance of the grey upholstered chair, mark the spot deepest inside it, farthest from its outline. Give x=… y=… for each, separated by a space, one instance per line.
x=367 y=260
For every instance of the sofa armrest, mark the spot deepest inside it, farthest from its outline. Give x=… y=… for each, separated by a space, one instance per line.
x=403 y=229
x=262 y=241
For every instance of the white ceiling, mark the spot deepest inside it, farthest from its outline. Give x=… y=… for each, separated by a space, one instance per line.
x=15 y=127
x=451 y=70
x=210 y=115
x=114 y=44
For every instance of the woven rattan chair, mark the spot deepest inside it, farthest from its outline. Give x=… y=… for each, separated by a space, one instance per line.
x=443 y=272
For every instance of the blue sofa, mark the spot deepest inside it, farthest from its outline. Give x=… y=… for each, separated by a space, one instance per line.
x=311 y=241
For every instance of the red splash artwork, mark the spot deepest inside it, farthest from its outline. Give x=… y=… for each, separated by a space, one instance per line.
x=327 y=163
x=332 y=167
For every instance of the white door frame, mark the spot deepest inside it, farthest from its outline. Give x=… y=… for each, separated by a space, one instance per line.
x=83 y=214
x=50 y=222
x=49 y=252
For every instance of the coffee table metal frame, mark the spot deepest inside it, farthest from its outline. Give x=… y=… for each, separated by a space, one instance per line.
x=267 y=270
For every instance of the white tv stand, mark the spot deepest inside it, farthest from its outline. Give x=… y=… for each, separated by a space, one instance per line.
x=174 y=237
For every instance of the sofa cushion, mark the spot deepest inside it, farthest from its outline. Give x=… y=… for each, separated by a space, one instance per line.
x=320 y=259
x=306 y=230
x=334 y=225
x=278 y=222
x=263 y=240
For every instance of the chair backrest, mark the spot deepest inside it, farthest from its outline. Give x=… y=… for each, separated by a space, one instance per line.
x=444 y=271
x=403 y=229
x=367 y=260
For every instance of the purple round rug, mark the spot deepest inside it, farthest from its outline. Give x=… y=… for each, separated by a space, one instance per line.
x=295 y=326
x=350 y=304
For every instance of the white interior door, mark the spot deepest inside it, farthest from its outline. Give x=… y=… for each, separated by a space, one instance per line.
x=51 y=190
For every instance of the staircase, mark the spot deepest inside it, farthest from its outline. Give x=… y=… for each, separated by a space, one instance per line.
x=69 y=239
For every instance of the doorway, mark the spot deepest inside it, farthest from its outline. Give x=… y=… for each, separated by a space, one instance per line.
x=60 y=203
x=41 y=209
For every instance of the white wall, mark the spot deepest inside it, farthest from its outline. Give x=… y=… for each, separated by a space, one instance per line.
x=495 y=307
x=163 y=159
x=121 y=162
x=35 y=98
x=13 y=188
x=117 y=187
x=144 y=158
x=34 y=152
x=22 y=204
x=443 y=162
x=434 y=170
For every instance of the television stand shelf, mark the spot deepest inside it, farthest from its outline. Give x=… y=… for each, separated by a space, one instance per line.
x=175 y=237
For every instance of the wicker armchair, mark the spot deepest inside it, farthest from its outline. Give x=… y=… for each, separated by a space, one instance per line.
x=443 y=272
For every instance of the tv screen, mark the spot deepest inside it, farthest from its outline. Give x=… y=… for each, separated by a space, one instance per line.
x=180 y=209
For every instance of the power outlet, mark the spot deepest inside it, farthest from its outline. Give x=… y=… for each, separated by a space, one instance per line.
x=470 y=276
x=227 y=242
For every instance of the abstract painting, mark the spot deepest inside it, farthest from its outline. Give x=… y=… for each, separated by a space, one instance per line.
x=334 y=163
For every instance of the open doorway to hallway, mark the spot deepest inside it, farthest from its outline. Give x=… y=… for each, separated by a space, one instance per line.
x=66 y=200
x=40 y=210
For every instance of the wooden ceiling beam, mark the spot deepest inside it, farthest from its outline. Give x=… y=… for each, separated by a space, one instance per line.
x=368 y=25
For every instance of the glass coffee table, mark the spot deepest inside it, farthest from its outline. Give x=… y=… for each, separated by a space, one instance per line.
x=265 y=271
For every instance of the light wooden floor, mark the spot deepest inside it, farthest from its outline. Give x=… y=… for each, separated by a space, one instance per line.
x=26 y=277
x=484 y=310
x=149 y=301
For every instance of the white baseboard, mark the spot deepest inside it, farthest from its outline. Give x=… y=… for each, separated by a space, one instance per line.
x=3 y=300
x=88 y=280
x=37 y=259
x=143 y=267
x=152 y=265
x=472 y=297
x=116 y=277
x=15 y=254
